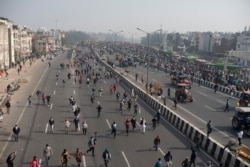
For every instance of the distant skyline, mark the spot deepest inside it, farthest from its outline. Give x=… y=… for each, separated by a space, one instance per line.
x=101 y=15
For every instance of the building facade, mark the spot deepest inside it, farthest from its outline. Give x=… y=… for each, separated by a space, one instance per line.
x=7 y=58
x=22 y=42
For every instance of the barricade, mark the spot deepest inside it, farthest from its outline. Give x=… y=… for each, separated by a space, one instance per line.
x=220 y=88
x=213 y=148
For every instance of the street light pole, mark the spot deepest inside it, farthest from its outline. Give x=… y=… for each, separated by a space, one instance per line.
x=115 y=33
x=148 y=34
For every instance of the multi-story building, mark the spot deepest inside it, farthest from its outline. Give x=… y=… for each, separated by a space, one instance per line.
x=208 y=40
x=6 y=43
x=195 y=40
x=43 y=41
x=243 y=43
x=204 y=42
x=22 y=42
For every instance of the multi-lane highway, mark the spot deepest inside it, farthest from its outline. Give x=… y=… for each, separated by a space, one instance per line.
x=207 y=105
x=129 y=151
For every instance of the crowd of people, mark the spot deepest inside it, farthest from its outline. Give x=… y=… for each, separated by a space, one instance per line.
x=126 y=100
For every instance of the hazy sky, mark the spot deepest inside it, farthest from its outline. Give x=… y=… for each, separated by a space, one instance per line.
x=127 y=15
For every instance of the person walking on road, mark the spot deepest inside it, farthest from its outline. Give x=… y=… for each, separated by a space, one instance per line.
x=209 y=128
x=48 y=100
x=136 y=77
x=127 y=125
x=227 y=106
x=175 y=103
x=186 y=162
x=197 y=140
x=158 y=163
x=16 y=130
x=10 y=159
x=133 y=123
x=76 y=123
x=34 y=162
x=92 y=98
x=113 y=129
x=47 y=153
x=64 y=158
x=168 y=158
x=67 y=124
x=8 y=105
x=121 y=104
x=143 y=125
x=78 y=157
x=169 y=93
x=154 y=123
x=193 y=157
x=29 y=100
x=84 y=127
x=106 y=155
x=51 y=124
x=99 y=109
x=240 y=135
x=43 y=98
x=157 y=142
x=91 y=144
x=129 y=102
x=135 y=109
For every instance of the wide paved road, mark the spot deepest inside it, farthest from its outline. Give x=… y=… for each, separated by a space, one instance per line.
x=127 y=151
x=207 y=105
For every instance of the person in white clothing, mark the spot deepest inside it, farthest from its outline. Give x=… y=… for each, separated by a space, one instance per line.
x=67 y=124
x=240 y=135
x=143 y=125
x=84 y=127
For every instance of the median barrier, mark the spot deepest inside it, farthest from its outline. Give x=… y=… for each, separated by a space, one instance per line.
x=220 y=88
x=213 y=148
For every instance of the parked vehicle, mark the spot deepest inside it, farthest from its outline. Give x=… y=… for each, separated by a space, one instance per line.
x=241 y=119
x=244 y=99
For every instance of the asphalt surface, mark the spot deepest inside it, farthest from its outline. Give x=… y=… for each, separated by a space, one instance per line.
x=133 y=150
x=207 y=105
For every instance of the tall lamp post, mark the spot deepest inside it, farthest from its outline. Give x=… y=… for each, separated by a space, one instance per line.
x=148 y=35
x=115 y=33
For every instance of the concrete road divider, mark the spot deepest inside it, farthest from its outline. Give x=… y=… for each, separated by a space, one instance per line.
x=212 y=147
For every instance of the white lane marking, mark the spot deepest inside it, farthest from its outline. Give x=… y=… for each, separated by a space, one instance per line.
x=124 y=156
x=224 y=94
x=161 y=151
x=84 y=161
x=21 y=115
x=46 y=128
x=74 y=92
x=108 y=123
x=54 y=92
x=202 y=93
x=56 y=83
x=210 y=108
x=220 y=101
x=51 y=106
